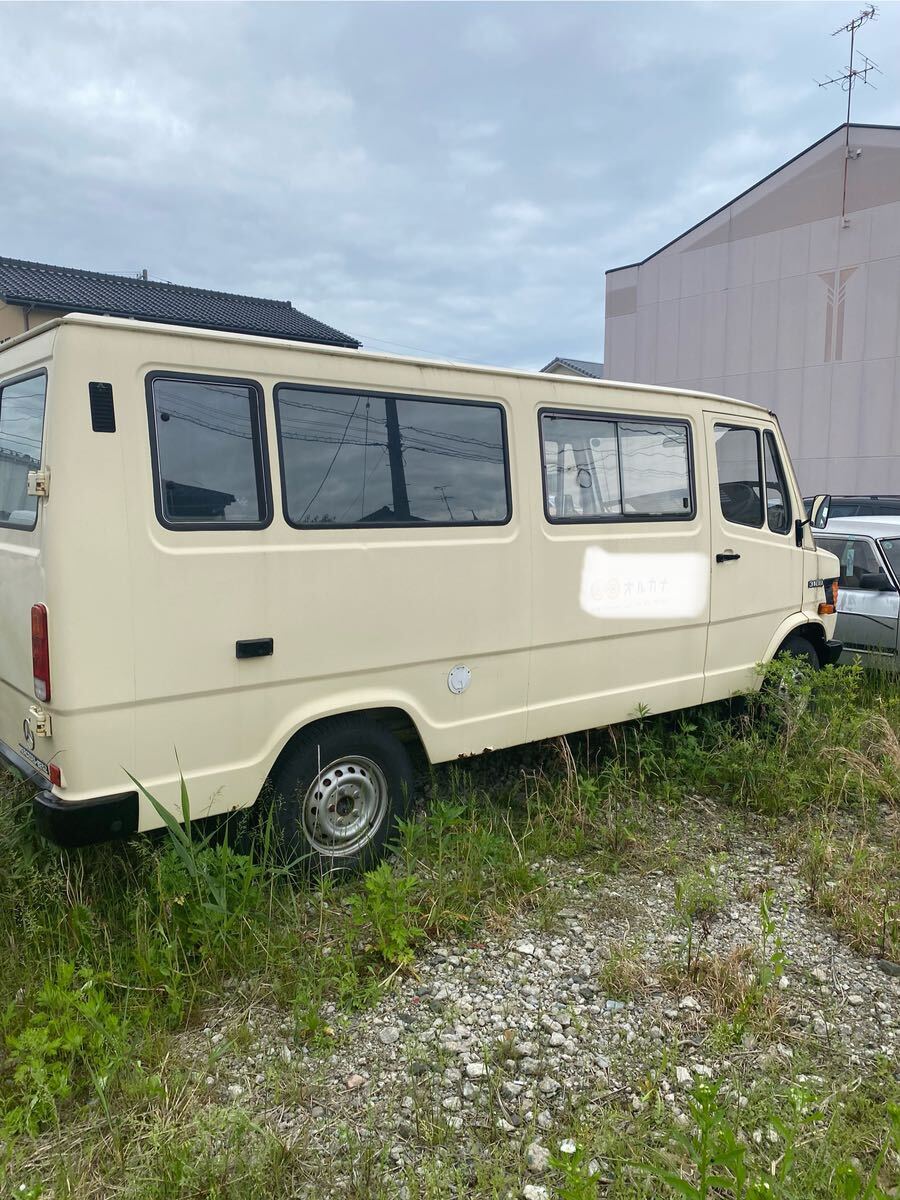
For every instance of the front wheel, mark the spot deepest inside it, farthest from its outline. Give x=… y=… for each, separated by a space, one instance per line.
x=338 y=792
x=790 y=692
x=796 y=646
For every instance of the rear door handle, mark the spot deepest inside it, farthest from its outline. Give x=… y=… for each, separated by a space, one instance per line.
x=727 y=556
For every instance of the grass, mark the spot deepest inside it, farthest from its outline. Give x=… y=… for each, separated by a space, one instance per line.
x=109 y=953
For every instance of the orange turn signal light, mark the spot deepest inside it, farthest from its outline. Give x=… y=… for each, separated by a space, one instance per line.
x=826 y=610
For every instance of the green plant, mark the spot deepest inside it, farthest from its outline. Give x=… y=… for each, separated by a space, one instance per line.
x=578 y=1175
x=699 y=896
x=623 y=974
x=70 y=1036
x=386 y=912
x=714 y=1152
x=772 y=957
x=855 y=1184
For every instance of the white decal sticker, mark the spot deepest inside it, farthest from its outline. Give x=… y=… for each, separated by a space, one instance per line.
x=643 y=585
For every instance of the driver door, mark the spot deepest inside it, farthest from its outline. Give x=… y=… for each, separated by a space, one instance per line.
x=756 y=568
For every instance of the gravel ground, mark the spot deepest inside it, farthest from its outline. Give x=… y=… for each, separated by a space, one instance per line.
x=515 y=1033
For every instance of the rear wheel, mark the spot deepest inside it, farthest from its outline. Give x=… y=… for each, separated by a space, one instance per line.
x=338 y=792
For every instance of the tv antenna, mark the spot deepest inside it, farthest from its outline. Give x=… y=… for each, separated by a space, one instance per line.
x=857 y=70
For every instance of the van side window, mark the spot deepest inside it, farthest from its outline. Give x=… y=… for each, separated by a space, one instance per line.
x=614 y=469
x=21 y=434
x=364 y=458
x=740 y=488
x=207 y=452
x=778 y=502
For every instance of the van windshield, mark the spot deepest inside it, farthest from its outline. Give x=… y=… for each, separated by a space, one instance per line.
x=21 y=431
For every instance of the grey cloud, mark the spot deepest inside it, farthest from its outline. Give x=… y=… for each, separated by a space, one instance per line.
x=445 y=178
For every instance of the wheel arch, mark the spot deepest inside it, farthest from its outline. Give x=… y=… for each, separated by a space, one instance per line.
x=801 y=626
x=395 y=718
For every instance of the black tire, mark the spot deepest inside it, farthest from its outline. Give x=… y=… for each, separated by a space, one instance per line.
x=368 y=789
x=799 y=647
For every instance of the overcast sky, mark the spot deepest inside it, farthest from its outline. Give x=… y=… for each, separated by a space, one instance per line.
x=446 y=178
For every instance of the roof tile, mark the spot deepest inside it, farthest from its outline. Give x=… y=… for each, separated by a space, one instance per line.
x=70 y=289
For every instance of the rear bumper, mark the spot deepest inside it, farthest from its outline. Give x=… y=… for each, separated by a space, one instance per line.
x=74 y=823
x=831 y=652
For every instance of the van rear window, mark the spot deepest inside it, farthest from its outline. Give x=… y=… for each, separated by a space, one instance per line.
x=21 y=434
x=208 y=452
x=363 y=458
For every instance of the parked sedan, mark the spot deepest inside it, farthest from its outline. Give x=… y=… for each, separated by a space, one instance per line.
x=869 y=587
x=860 y=506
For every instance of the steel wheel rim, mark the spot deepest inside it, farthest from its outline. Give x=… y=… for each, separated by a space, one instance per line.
x=344 y=806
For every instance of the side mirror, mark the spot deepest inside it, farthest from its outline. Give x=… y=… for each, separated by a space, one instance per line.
x=877 y=581
x=817 y=517
x=818 y=513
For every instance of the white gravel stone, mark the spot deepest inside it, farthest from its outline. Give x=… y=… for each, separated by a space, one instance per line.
x=535 y=1191
x=537 y=1158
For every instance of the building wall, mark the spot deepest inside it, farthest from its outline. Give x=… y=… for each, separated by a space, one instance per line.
x=14 y=319
x=778 y=300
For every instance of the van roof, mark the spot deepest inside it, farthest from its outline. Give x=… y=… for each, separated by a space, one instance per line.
x=124 y=324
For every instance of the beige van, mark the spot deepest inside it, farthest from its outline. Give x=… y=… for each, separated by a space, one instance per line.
x=294 y=566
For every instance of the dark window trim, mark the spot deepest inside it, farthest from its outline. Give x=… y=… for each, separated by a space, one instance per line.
x=769 y=440
x=883 y=555
x=3 y=386
x=378 y=395
x=615 y=417
x=260 y=454
x=760 y=468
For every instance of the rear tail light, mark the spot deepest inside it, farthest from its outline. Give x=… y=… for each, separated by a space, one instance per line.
x=40 y=652
x=831 y=598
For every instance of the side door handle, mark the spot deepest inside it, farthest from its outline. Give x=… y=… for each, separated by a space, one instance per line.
x=727 y=556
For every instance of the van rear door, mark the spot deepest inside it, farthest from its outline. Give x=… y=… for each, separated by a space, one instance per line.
x=22 y=582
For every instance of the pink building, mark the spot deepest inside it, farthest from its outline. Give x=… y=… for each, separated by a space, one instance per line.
x=788 y=296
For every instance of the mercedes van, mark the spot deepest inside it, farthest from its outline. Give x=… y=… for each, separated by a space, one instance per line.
x=284 y=571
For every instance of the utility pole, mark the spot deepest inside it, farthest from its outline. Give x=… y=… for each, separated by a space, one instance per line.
x=848 y=80
x=442 y=488
x=395 y=457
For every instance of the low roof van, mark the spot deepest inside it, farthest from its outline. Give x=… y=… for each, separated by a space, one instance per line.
x=281 y=571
